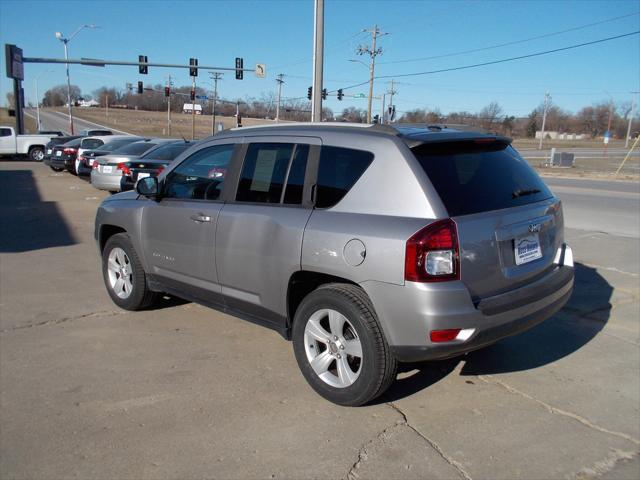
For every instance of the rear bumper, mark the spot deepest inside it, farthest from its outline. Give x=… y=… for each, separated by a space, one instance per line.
x=57 y=162
x=408 y=313
x=105 y=182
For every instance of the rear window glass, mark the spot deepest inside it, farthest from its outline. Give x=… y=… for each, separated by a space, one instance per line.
x=135 y=148
x=115 y=144
x=73 y=143
x=339 y=170
x=474 y=177
x=91 y=143
x=167 y=152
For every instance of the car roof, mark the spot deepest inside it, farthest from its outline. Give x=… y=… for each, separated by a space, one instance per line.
x=411 y=134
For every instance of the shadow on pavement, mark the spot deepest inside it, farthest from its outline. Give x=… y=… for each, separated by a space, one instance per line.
x=575 y=325
x=26 y=222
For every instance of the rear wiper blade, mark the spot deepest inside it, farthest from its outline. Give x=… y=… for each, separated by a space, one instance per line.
x=523 y=192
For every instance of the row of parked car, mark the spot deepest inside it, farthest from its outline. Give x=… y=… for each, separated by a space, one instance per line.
x=114 y=162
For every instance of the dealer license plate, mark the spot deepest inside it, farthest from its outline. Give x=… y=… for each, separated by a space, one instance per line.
x=59 y=153
x=107 y=169
x=527 y=249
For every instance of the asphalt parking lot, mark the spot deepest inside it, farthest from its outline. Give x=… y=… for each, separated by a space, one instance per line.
x=91 y=391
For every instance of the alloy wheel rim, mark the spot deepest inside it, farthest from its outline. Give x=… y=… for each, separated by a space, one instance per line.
x=333 y=348
x=120 y=273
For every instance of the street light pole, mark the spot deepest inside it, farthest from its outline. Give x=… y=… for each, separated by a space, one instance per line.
x=280 y=82
x=65 y=42
x=318 y=61
x=547 y=97
x=216 y=76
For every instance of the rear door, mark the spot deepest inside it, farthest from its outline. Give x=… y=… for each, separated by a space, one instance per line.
x=179 y=231
x=509 y=223
x=260 y=230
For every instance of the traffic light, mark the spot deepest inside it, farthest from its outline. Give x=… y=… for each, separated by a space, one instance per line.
x=309 y=92
x=376 y=119
x=143 y=69
x=193 y=95
x=167 y=91
x=239 y=67
x=140 y=87
x=340 y=94
x=193 y=71
x=324 y=93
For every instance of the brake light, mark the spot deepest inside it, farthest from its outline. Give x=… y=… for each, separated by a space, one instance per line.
x=159 y=170
x=125 y=168
x=432 y=254
x=69 y=151
x=95 y=165
x=437 y=336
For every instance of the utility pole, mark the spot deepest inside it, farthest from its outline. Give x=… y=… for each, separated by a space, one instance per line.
x=215 y=76
x=169 y=108
x=631 y=114
x=106 y=104
x=373 y=52
x=392 y=91
x=547 y=99
x=193 y=110
x=318 y=60
x=280 y=81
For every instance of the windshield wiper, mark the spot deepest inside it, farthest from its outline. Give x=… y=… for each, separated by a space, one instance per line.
x=523 y=192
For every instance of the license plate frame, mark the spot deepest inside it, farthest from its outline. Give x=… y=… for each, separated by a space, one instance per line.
x=107 y=169
x=142 y=175
x=59 y=153
x=527 y=249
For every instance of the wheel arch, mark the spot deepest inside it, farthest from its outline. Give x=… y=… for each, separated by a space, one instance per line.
x=106 y=232
x=301 y=284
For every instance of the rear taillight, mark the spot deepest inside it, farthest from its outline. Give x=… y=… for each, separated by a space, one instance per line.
x=159 y=170
x=432 y=253
x=95 y=165
x=124 y=168
x=70 y=151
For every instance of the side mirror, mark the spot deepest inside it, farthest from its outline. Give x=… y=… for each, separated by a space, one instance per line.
x=148 y=187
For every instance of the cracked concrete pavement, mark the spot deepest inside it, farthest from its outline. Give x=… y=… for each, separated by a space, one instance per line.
x=90 y=391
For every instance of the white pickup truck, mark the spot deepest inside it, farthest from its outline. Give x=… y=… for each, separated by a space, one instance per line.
x=31 y=145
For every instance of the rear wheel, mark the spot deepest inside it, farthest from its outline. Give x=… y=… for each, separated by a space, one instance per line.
x=36 y=154
x=56 y=169
x=124 y=276
x=340 y=347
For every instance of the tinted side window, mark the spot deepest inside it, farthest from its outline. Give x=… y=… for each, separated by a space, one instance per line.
x=295 y=180
x=263 y=172
x=5 y=132
x=339 y=170
x=91 y=143
x=200 y=176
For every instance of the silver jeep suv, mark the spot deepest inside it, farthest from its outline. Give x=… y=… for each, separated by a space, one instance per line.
x=364 y=245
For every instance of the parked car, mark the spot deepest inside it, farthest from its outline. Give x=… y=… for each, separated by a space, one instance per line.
x=92 y=143
x=48 y=149
x=365 y=245
x=93 y=132
x=31 y=145
x=89 y=156
x=151 y=163
x=107 y=170
x=63 y=156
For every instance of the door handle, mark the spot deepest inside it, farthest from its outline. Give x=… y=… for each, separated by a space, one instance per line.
x=200 y=218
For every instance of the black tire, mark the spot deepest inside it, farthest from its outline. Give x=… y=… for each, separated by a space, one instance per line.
x=36 y=154
x=378 y=367
x=56 y=169
x=141 y=296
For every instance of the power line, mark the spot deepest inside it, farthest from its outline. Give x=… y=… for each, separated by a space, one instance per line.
x=494 y=62
x=515 y=42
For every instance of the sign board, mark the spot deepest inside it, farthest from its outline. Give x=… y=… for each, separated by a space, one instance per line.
x=202 y=97
x=359 y=95
x=15 y=67
x=261 y=70
x=607 y=134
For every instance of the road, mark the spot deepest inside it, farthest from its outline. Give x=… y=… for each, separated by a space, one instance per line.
x=610 y=207
x=60 y=121
x=90 y=391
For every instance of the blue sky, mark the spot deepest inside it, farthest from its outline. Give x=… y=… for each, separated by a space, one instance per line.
x=279 y=34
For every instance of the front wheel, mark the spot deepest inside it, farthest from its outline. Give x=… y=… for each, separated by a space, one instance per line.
x=56 y=169
x=340 y=347
x=124 y=276
x=36 y=154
